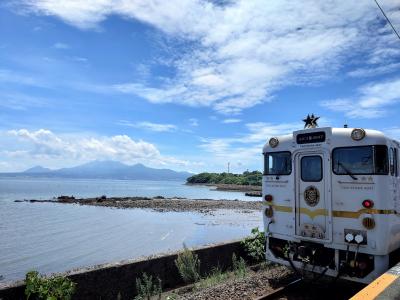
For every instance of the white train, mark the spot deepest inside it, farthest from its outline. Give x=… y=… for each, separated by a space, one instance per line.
x=332 y=201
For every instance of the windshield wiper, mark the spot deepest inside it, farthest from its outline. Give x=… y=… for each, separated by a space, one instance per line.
x=347 y=171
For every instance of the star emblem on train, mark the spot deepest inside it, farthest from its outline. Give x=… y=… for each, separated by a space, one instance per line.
x=310 y=121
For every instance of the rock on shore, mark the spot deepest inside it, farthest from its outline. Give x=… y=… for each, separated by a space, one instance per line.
x=161 y=204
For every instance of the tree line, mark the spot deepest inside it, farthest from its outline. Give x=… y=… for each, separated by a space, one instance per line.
x=247 y=178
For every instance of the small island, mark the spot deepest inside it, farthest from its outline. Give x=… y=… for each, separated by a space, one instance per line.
x=248 y=182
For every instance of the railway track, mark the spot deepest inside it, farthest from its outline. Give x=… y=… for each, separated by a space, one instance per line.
x=280 y=291
x=303 y=289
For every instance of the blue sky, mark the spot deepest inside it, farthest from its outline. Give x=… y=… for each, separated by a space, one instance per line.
x=184 y=84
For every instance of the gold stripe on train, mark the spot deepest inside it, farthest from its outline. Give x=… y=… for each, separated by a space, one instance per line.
x=336 y=213
x=282 y=208
x=357 y=214
x=314 y=213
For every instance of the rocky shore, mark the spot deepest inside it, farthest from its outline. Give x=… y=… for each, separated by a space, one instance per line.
x=159 y=203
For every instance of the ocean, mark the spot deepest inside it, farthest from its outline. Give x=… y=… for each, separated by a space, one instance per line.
x=52 y=237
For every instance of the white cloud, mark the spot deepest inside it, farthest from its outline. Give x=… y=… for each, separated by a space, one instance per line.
x=79 y=59
x=393 y=132
x=258 y=133
x=61 y=46
x=261 y=132
x=245 y=150
x=8 y=76
x=371 y=102
x=230 y=121
x=18 y=101
x=375 y=71
x=149 y=126
x=6 y=167
x=238 y=53
x=45 y=146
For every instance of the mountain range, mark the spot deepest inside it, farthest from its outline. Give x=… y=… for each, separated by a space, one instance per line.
x=103 y=170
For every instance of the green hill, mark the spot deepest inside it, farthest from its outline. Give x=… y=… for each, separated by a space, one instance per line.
x=247 y=178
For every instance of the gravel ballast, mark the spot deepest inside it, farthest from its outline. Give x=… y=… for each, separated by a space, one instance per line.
x=253 y=285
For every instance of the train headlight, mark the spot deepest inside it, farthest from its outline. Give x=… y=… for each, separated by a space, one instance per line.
x=358 y=134
x=368 y=223
x=273 y=142
x=268 y=198
x=368 y=203
x=269 y=212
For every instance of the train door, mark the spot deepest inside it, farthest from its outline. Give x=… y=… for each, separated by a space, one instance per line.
x=313 y=207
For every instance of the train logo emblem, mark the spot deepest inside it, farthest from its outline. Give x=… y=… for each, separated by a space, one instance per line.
x=311 y=196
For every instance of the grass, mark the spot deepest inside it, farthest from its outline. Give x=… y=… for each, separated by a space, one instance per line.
x=215 y=277
x=239 y=266
x=238 y=271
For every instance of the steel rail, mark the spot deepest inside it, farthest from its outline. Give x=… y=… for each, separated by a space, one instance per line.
x=279 y=291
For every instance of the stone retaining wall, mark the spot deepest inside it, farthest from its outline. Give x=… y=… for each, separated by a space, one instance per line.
x=105 y=282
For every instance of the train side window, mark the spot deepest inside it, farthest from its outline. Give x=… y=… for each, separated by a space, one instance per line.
x=381 y=157
x=311 y=168
x=391 y=161
x=360 y=160
x=277 y=163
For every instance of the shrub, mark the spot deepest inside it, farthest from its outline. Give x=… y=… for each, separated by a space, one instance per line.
x=255 y=245
x=238 y=266
x=51 y=288
x=147 y=287
x=188 y=265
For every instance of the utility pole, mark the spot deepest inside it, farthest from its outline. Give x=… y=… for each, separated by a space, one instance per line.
x=228 y=166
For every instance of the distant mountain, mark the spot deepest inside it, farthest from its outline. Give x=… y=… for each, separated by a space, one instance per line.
x=104 y=170
x=37 y=169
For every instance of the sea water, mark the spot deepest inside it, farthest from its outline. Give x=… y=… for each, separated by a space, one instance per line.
x=53 y=237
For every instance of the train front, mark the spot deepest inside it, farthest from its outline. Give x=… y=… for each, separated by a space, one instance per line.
x=329 y=202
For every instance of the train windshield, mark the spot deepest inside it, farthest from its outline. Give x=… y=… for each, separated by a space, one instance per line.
x=360 y=160
x=277 y=163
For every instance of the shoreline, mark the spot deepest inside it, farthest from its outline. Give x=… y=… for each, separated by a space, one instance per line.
x=159 y=203
x=230 y=187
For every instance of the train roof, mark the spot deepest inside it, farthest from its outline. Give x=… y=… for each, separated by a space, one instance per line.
x=335 y=137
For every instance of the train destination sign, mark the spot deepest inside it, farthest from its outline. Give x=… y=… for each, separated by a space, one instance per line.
x=312 y=137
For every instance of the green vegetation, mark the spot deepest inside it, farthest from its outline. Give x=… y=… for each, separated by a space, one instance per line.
x=147 y=287
x=216 y=276
x=188 y=265
x=247 y=178
x=238 y=266
x=255 y=245
x=51 y=288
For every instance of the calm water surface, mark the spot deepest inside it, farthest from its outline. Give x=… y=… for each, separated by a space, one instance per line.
x=51 y=237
